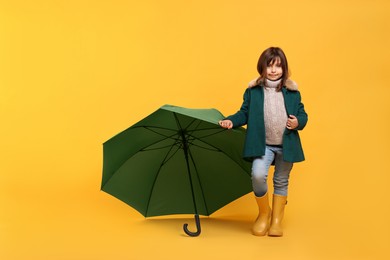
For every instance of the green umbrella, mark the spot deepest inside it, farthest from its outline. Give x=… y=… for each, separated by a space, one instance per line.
x=177 y=161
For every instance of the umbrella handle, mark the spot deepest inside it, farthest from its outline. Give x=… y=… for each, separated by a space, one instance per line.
x=193 y=234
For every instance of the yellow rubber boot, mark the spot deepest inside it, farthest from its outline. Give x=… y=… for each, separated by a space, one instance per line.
x=261 y=225
x=278 y=204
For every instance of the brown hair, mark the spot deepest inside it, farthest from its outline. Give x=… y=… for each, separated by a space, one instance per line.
x=268 y=57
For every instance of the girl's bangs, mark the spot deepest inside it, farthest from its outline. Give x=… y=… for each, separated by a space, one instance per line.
x=275 y=59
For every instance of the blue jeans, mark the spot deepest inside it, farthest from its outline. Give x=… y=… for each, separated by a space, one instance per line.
x=260 y=167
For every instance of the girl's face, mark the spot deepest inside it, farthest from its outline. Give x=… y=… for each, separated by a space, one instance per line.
x=274 y=70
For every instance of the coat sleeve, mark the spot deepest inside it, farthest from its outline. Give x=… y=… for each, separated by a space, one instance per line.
x=240 y=118
x=301 y=115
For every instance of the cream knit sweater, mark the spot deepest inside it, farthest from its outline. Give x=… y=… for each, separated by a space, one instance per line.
x=275 y=115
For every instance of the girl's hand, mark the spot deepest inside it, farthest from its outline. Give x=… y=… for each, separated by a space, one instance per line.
x=292 y=122
x=228 y=124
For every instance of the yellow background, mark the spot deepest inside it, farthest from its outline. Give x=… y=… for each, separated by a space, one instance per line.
x=74 y=73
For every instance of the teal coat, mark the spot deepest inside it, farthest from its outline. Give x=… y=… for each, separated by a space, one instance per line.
x=251 y=114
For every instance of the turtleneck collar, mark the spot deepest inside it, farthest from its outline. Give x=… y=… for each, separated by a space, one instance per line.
x=272 y=83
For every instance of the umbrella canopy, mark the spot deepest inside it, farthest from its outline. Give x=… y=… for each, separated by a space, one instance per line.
x=176 y=161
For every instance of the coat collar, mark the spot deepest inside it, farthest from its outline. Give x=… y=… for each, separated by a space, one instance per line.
x=291 y=85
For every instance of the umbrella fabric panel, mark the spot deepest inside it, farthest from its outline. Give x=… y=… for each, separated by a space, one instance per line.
x=133 y=181
x=160 y=119
x=230 y=142
x=221 y=179
x=209 y=115
x=172 y=191
x=116 y=152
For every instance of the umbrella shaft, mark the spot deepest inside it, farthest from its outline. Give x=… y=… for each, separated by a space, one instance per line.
x=186 y=155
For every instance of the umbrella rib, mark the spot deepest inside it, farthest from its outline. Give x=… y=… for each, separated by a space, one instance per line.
x=156 y=127
x=166 y=159
x=157 y=148
x=217 y=150
x=166 y=137
x=144 y=149
x=211 y=128
x=157 y=174
x=193 y=121
x=200 y=183
x=151 y=127
x=197 y=145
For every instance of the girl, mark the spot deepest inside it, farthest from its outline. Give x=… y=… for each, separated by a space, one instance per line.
x=273 y=112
